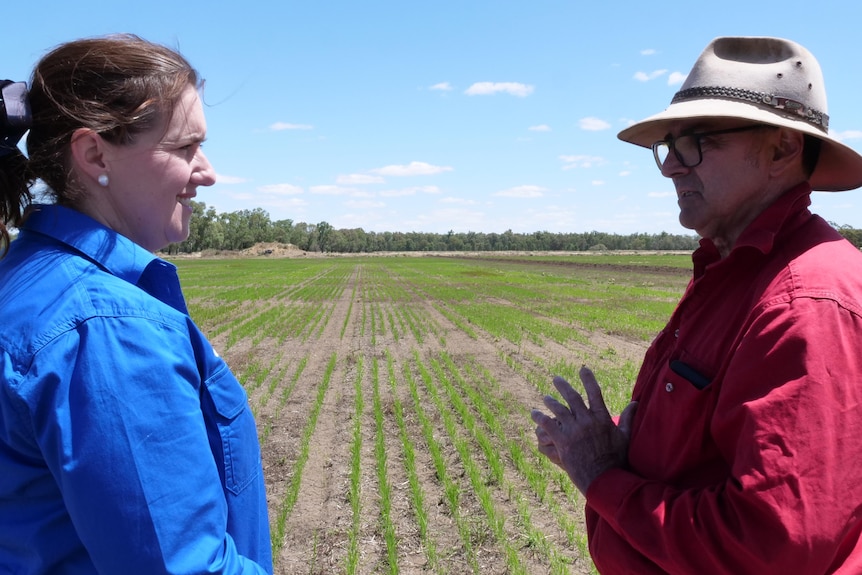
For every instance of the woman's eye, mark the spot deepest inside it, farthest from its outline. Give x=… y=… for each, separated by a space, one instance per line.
x=190 y=148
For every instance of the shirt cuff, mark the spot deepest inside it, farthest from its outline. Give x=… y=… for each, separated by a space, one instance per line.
x=607 y=492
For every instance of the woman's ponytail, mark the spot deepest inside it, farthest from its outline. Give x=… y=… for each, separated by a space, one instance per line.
x=14 y=194
x=15 y=120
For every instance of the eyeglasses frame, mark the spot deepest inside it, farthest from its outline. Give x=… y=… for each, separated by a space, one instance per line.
x=669 y=142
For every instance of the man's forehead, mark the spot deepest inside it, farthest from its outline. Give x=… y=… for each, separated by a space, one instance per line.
x=696 y=125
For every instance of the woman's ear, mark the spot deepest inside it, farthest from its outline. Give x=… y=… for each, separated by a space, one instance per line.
x=88 y=156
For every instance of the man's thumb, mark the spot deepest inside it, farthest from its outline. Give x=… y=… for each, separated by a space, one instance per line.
x=626 y=419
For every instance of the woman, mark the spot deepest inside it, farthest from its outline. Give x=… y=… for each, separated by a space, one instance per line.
x=126 y=444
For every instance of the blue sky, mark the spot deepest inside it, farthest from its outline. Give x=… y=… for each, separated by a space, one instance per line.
x=449 y=115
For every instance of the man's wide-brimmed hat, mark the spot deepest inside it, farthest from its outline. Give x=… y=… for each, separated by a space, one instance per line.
x=765 y=80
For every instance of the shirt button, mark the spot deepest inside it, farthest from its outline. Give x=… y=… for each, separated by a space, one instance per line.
x=668 y=387
x=676 y=333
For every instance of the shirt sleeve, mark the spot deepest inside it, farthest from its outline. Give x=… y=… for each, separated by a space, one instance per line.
x=787 y=423
x=124 y=436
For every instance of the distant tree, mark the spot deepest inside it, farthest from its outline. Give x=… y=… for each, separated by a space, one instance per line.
x=259 y=225
x=300 y=235
x=241 y=229
x=237 y=233
x=197 y=228
x=851 y=234
x=281 y=231
x=324 y=236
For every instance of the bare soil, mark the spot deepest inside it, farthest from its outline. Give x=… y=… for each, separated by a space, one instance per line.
x=317 y=530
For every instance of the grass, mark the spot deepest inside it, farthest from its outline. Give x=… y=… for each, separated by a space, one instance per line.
x=427 y=368
x=286 y=505
x=384 y=488
x=355 y=475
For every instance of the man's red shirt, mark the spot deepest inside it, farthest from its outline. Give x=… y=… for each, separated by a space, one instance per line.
x=746 y=448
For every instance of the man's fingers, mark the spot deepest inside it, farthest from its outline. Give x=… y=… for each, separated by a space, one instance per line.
x=559 y=410
x=546 y=445
x=543 y=437
x=626 y=419
x=594 y=392
x=572 y=397
x=538 y=417
x=550 y=451
x=546 y=424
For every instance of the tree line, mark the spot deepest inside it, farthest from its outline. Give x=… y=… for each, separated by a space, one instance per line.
x=239 y=230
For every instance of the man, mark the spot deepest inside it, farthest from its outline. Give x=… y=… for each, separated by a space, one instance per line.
x=741 y=451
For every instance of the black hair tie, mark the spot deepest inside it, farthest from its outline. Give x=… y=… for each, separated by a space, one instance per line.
x=15 y=117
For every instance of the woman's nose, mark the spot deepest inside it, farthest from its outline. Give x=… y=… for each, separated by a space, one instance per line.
x=204 y=174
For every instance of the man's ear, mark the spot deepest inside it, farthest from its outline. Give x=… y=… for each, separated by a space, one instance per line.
x=787 y=153
x=88 y=155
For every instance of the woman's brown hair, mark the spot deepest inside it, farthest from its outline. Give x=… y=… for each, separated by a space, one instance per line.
x=118 y=86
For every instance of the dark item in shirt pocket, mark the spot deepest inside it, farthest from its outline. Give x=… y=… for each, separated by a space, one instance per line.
x=693 y=376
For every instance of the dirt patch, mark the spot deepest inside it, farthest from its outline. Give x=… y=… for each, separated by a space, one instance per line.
x=426 y=495
x=275 y=250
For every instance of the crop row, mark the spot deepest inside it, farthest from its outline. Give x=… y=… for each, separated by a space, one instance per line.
x=393 y=394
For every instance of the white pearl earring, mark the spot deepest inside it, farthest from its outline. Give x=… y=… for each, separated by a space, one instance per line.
x=103 y=180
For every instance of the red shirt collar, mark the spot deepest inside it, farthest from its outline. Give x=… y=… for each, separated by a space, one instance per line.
x=782 y=217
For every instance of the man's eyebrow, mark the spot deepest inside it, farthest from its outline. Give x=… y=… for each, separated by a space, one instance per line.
x=695 y=129
x=688 y=130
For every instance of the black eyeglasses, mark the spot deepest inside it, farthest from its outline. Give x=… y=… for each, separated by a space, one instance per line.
x=686 y=148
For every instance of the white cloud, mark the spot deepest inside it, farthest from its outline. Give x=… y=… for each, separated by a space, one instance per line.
x=598 y=182
x=648 y=52
x=425 y=189
x=268 y=201
x=358 y=179
x=398 y=193
x=553 y=217
x=581 y=161
x=522 y=192
x=364 y=204
x=279 y=126
x=646 y=77
x=222 y=179
x=676 y=78
x=280 y=189
x=462 y=201
x=330 y=190
x=625 y=173
x=847 y=135
x=367 y=220
x=442 y=86
x=661 y=194
x=457 y=219
x=412 y=191
x=540 y=128
x=290 y=203
x=593 y=124
x=411 y=169
x=486 y=88
x=244 y=196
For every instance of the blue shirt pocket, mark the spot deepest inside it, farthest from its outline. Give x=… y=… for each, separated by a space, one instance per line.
x=236 y=427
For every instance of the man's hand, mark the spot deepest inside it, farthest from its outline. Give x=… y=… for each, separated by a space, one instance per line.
x=583 y=441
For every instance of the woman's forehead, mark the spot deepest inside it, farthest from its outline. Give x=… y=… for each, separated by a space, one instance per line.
x=187 y=117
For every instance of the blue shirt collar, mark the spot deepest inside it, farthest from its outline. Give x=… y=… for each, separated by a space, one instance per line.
x=115 y=253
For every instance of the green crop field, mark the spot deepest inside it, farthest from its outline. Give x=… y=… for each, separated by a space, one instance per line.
x=392 y=397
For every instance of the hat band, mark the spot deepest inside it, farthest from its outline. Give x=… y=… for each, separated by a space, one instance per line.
x=810 y=115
